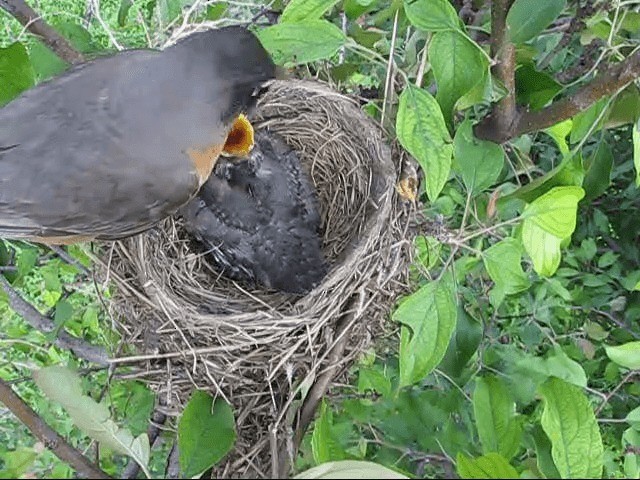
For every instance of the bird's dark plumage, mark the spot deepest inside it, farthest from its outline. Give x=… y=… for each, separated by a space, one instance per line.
x=113 y=146
x=259 y=219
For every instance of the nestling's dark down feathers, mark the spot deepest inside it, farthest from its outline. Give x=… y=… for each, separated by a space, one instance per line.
x=259 y=220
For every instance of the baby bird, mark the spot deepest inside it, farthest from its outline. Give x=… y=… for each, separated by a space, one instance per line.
x=258 y=219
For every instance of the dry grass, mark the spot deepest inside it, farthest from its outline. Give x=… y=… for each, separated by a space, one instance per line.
x=193 y=328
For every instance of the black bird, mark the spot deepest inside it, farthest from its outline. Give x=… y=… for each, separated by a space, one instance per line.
x=259 y=220
x=115 y=145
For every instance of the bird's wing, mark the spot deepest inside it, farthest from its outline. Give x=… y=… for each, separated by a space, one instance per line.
x=114 y=146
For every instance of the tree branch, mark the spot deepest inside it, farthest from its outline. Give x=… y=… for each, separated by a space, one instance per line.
x=607 y=82
x=38 y=321
x=32 y=22
x=47 y=435
x=504 y=113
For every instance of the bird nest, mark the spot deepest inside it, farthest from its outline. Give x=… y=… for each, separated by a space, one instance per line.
x=270 y=355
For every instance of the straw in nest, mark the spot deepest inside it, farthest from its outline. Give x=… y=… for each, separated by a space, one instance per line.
x=193 y=327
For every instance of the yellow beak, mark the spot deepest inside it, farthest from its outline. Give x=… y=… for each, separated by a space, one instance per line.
x=240 y=140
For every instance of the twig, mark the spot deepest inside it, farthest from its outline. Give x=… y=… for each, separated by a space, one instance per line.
x=609 y=395
x=38 y=321
x=61 y=252
x=47 y=435
x=390 y=64
x=34 y=23
x=320 y=386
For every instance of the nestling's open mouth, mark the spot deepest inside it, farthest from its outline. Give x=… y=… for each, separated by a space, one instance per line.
x=240 y=139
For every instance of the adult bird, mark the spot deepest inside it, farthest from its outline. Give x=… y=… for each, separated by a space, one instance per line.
x=115 y=145
x=259 y=220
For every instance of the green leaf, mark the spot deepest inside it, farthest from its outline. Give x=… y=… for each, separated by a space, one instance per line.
x=16 y=73
x=636 y=151
x=457 y=64
x=428 y=250
x=534 y=88
x=503 y=263
x=559 y=133
x=422 y=132
x=463 y=345
x=478 y=161
x=45 y=63
x=206 y=433
x=64 y=312
x=371 y=378
x=18 y=462
x=123 y=11
x=569 y=422
x=26 y=260
x=429 y=319
x=556 y=364
x=491 y=465
x=169 y=10
x=625 y=109
x=544 y=460
x=627 y=355
x=548 y=220
x=355 y=8
x=527 y=18
x=349 y=469
x=78 y=36
x=216 y=10
x=432 y=15
x=64 y=387
x=301 y=42
x=494 y=410
x=598 y=176
x=299 y=10
x=633 y=417
x=583 y=121
x=324 y=445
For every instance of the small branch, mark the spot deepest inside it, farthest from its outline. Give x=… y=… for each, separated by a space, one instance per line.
x=319 y=388
x=47 y=435
x=504 y=113
x=172 y=469
x=615 y=78
x=62 y=253
x=610 y=395
x=32 y=22
x=38 y=321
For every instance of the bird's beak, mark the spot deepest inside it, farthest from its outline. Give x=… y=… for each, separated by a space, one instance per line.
x=240 y=140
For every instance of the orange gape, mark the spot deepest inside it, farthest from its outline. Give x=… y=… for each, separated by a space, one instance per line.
x=240 y=139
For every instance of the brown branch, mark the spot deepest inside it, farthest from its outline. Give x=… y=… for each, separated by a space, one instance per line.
x=32 y=22
x=172 y=469
x=319 y=388
x=38 y=321
x=607 y=82
x=503 y=52
x=47 y=435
